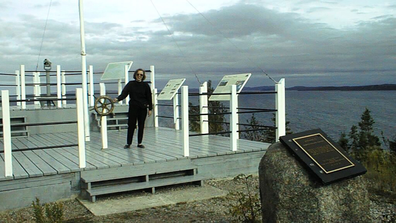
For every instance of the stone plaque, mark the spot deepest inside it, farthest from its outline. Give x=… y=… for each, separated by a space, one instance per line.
x=322 y=156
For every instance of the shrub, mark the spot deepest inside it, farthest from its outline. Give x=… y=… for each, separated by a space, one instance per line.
x=247 y=207
x=53 y=212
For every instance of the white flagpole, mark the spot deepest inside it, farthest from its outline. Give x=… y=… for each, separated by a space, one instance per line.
x=84 y=73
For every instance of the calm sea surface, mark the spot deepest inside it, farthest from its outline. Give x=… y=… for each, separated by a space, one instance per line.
x=332 y=111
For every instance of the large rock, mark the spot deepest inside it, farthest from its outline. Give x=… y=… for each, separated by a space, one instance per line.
x=290 y=194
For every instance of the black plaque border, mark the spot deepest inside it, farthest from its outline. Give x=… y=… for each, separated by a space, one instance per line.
x=312 y=167
x=316 y=162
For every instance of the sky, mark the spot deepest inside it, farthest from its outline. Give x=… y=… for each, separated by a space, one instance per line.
x=307 y=42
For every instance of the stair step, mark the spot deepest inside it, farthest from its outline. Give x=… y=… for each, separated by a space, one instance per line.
x=140 y=171
x=117 y=125
x=117 y=118
x=142 y=185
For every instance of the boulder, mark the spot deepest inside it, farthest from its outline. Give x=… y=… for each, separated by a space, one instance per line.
x=289 y=193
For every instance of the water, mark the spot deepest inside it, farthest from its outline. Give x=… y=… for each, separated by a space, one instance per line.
x=332 y=111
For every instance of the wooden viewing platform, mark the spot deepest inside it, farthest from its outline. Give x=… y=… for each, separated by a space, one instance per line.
x=47 y=164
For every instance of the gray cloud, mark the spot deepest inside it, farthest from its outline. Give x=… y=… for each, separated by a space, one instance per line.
x=235 y=39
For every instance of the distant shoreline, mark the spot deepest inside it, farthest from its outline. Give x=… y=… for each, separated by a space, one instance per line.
x=381 y=87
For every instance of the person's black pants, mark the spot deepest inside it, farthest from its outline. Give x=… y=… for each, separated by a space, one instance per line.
x=136 y=114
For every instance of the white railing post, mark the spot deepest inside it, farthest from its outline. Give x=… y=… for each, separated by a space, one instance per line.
x=280 y=103
x=80 y=127
x=126 y=74
x=176 y=115
x=233 y=119
x=103 y=121
x=185 y=121
x=120 y=90
x=203 y=108
x=155 y=107
x=64 y=102
x=18 y=87
x=58 y=86
x=152 y=77
x=23 y=87
x=5 y=108
x=91 y=86
x=36 y=88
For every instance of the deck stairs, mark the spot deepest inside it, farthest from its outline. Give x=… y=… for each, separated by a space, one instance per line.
x=17 y=127
x=138 y=177
x=115 y=121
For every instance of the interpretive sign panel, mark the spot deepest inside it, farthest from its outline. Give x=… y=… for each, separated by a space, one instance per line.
x=322 y=156
x=116 y=71
x=171 y=89
x=223 y=89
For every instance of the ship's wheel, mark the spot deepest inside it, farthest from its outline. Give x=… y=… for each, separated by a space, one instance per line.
x=104 y=105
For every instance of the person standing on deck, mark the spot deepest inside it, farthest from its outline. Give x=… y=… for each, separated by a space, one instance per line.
x=140 y=101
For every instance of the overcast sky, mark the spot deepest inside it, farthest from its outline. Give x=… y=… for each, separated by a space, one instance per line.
x=308 y=42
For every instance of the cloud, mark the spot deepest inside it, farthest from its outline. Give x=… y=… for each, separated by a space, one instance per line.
x=234 y=39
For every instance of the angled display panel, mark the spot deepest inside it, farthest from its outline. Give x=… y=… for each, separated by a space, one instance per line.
x=171 y=89
x=115 y=71
x=224 y=87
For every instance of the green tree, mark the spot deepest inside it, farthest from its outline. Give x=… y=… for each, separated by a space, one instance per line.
x=216 y=117
x=392 y=145
x=343 y=142
x=253 y=132
x=361 y=139
x=262 y=135
x=365 y=146
x=366 y=134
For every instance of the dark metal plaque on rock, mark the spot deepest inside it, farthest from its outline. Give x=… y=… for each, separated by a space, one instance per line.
x=322 y=156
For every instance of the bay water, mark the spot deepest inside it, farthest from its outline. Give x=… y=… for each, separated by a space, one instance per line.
x=332 y=111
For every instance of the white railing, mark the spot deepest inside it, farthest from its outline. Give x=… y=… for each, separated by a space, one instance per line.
x=5 y=108
x=280 y=104
x=234 y=136
x=184 y=106
x=185 y=121
x=7 y=140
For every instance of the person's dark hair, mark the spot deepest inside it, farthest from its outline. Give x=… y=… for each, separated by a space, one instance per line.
x=136 y=71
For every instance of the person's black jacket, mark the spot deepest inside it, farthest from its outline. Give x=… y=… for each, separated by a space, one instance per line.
x=139 y=94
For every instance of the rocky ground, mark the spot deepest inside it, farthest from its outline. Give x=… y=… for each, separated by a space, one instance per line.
x=383 y=207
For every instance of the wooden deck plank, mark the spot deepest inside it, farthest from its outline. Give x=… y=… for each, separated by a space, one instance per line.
x=16 y=144
x=66 y=137
x=124 y=156
x=105 y=162
x=109 y=153
x=39 y=141
x=104 y=157
x=55 y=164
x=28 y=166
x=27 y=143
x=18 y=171
x=33 y=140
x=65 y=161
x=71 y=153
x=127 y=156
x=162 y=145
x=2 y=168
x=40 y=163
x=116 y=155
x=49 y=141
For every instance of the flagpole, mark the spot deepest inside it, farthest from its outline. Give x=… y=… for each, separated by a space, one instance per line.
x=84 y=72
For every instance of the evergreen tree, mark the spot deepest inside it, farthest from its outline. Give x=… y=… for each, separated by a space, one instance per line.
x=361 y=140
x=217 y=109
x=344 y=142
x=216 y=120
x=392 y=145
x=253 y=132
x=366 y=134
x=266 y=135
